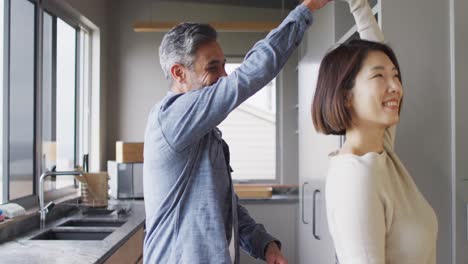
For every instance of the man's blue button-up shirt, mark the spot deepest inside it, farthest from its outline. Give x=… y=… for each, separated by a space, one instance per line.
x=190 y=208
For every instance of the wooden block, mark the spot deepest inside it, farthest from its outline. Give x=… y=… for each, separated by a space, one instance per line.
x=94 y=188
x=253 y=191
x=127 y=152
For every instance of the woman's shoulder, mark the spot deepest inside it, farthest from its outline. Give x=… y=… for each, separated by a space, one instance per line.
x=354 y=169
x=352 y=179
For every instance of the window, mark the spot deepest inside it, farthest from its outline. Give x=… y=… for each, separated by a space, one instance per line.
x=48 y=91
x=250 y=131
x=59 y=98
x=39 y=112
x=21 y=99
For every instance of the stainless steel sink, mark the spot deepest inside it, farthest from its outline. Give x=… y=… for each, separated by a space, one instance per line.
x=73 y=234
x=93 y=223
x=97 y=211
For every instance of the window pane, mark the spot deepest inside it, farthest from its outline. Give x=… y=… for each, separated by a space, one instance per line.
x=83 y=116
x=66 y=98
x=2 y=8
x=250 y=131
x=21 y=119
x=48 y=99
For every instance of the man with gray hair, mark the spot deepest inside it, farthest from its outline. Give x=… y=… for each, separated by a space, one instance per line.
x=192 y=212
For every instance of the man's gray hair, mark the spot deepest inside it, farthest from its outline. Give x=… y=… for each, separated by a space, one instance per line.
x=180 y=44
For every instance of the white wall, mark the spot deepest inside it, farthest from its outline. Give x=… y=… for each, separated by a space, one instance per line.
x=136 y=81
x=418 y=31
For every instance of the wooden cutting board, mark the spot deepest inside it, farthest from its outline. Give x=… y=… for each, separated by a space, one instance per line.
x=253 y=191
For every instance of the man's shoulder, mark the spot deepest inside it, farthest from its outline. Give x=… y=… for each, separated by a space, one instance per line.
x=165 y=102
x=169 y=100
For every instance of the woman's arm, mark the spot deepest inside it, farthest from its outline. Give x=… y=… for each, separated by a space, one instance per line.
x=356 y=217
x=365 y=21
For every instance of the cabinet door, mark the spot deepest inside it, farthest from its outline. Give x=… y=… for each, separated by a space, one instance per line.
x=274 y=216
x=131 y=251
x=305 y=237
x=315 y=244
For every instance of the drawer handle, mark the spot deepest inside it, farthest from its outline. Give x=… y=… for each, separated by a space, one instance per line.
x=314 y=226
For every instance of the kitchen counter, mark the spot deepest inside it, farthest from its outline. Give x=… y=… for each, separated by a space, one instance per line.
x=281 y=194
x=24 y=250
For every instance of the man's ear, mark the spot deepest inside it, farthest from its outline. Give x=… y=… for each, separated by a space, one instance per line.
x=178 y=73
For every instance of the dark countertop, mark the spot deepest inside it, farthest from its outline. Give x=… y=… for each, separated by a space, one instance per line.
x=24 y=250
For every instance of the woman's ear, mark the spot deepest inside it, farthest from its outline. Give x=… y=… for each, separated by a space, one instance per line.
x=348 y=99
x=178 y=73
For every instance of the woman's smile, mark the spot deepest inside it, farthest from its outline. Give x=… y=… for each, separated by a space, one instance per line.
x=392 y=104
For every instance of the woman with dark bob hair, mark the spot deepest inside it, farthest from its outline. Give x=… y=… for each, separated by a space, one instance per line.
x=376 y=214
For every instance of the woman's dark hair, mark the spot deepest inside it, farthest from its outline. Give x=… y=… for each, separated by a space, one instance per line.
x=336 y=78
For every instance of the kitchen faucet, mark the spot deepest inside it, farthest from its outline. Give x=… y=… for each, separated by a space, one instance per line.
x=45 y=209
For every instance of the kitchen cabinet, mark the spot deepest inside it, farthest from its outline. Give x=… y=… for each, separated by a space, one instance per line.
x=130 y=252
x=314 y=241
x=276 y=216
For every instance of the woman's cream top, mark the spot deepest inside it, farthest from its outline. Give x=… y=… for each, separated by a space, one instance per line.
x=376 y=214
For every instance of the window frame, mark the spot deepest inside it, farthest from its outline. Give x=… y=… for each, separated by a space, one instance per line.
x=80 y=24
x=40 y=115
x=279 y=178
